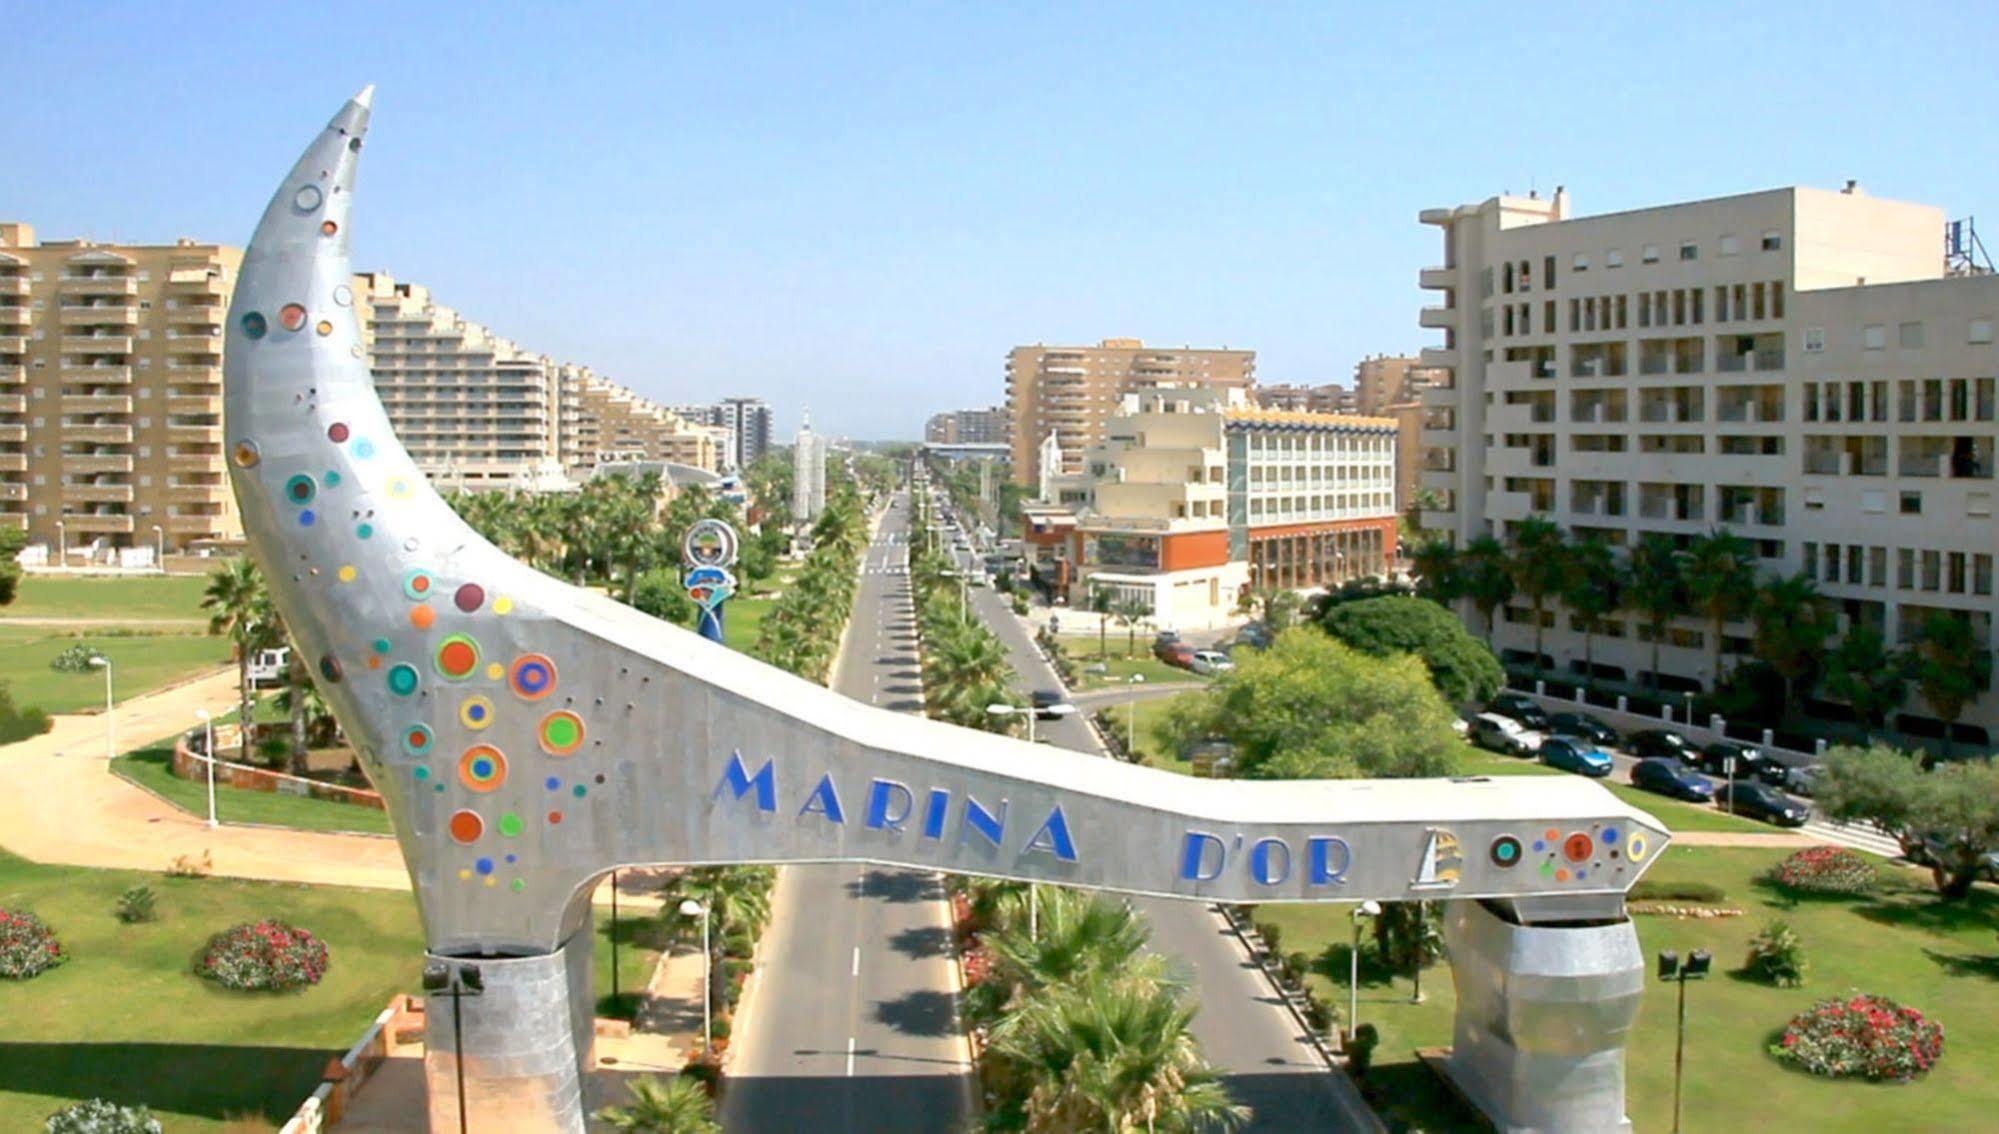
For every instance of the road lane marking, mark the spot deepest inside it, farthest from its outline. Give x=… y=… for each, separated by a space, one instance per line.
x=850 y=1057
x=857 y=960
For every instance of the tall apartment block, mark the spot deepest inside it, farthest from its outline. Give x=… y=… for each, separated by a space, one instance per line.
x=1068 y=392
x=1329 y=398
x=747 y=422
x=986 y=426
x=1384 y=380
x=601 y=421
x=111 y=395
x=1802 y=367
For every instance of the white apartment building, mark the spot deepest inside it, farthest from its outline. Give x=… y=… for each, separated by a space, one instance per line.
x=1797 y=366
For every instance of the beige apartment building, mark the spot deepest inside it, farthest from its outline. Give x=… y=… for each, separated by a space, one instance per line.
x=602 y=422
x=967 y=427
x=1329 y=398
x=111 y=396
x=1798 y=366
x=1069 y=391
x=1384 y=380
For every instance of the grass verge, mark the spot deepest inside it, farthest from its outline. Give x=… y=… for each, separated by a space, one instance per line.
x=141 y=662
x=151 y=768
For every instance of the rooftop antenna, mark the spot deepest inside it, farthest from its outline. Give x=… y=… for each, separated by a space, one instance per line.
x=1963 y=253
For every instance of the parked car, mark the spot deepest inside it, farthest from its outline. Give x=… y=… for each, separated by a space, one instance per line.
x=1255 y=635
x=1163 y=641
x=1748 y=762
x=1209 y=662
x=1178 y=654
x=1050 y=703
x=1660 y=742
x=1574 y=754
x=1761 y=801
x=1495 y=733
x=1585 y=726
x=1923 y=851
x=1521 y=708
x=1802 y=779
x=1669 y=777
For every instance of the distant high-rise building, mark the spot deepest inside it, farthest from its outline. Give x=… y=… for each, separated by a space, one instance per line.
x=747 y=420
x=808 y=474
x=1329 y=398
x=604 y=422
x=1382 y=380
x=1069 y=391
x=111 y=438
x=986 y=426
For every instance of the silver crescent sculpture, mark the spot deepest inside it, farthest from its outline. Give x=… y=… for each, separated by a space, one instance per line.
x=530 y=736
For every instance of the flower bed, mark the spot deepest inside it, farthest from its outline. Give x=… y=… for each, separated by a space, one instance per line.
x=263 y=956
x=1869 y=1037
x=28 y=947
x=1826 y=870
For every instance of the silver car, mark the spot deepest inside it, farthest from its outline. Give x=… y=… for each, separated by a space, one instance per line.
x=1209 y=662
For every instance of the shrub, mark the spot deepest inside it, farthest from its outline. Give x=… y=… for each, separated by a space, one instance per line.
x=136 y=905
x=1649 y=891
x=75 y=659
x=96 y=1116
x=1869 y=1037
x=28 y=947
x=1270 y=933
x=1360 y=1049
x=720 y=1028
x=20 y=724
x=188 y=866
x=1777 y=956
x=1826 y=870
x=263 y=956
x=1295 y=966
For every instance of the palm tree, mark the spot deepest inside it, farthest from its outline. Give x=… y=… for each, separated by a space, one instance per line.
x=238 y=607
x=1656 y=588
x=1872 y=679
x=1592 y=589
x=1485 y=579
x=965 y=666
x=734 y=896
x=1537 y=567
x=1100 y=603
x=1721 y=581
x=1078 y=936
x=679 y=1105
x=1130 y=610
x=1792 y=624
x=1437 y=571
x=1951 y=667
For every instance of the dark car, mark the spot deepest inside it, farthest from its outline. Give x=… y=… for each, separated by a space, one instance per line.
x=1574 y=754
x=1522 y=708
x=1761 y=801
x=1050 y=703
x=1747 y=761
x=1585 y=726
x=1669 y=777
x=1662 y=743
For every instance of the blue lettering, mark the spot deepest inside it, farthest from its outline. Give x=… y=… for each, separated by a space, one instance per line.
x=880 y=792
x=977 y=818
x=825 y=801
x=738 y=782
x=934 y=812
x=1053 y=837
x=1262 y=868
x=1194 y=854
x=1328 y=858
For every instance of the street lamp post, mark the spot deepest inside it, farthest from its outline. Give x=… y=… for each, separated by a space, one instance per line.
x=62 y=546
x=110 y=723
x=691 y=908
x=456 y=979
x=1000 y=710
x=208 y=757
x=1131 y=718
x=1672 y=968
x=1365 y=909
x=159 y=549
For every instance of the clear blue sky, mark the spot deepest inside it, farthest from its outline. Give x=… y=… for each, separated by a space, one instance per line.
x=861 y=209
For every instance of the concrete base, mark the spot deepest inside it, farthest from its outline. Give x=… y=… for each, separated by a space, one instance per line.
x=527 y=1045
x=1543 y=1012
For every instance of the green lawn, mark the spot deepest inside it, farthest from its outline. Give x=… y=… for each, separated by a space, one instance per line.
x=145 y=597
x=140 y=664
x=127 y=1020
x=1941 y=958
x=638 y=953
x=1149 y=710
x=742 y=620
x=150 y=768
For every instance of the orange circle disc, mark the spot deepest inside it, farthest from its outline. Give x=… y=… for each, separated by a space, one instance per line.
x=422 y=616
x=466 y=826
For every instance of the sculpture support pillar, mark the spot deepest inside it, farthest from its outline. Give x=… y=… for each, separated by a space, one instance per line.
x=1543 y=1012
x=527 y=1043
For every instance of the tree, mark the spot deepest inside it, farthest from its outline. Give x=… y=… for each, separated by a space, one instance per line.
x=1656 y=589
x=1129 y=611
x=1951 y=811
x=1792 y=624
x=12 y=540
x=1537 y=566
x=679 y=1105
x=1872 y=679
x=1721 y=582
x=1100 y=602
x=238 y=607
x=735 y=897
x=1076 y=936
x=1439 y=575
x=1311 y=707
x=1951 y=667
x=966 y=666
x=658 y=592
x=1592 y=588
x=1484 y=579
x=1461 y=666
x=1409 y=937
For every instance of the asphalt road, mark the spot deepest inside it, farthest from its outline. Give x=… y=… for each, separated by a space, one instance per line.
x=1242 y=1026
x=853 y=1025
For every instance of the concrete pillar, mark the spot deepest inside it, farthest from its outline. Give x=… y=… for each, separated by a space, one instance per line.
x=1543 y=1012
x=527 y=1044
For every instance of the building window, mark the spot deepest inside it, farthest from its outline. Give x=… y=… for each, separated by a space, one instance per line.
x=1912 y=503
x=1581 y=262
x=1613 y=257
x=1649 y=254
x=1873 y=336
x=1909 y=335
x=1772 y=240
x=1814 y=340
x=1981 y=331
x=1729 y=245
x=1689 y=250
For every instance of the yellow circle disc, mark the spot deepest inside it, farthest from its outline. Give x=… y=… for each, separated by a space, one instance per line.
x=347 y=573
x=496 y=671
x=503 y=605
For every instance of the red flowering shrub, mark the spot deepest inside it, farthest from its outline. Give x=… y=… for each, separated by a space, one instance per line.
x=264 y=955
x=1825 y=870
x=28 y=947
x=1869 y=1037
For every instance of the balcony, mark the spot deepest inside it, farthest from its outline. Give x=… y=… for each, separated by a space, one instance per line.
x=194 y=462
x=99 y=285
x=105 y=316
x=198 y=493
x=13 y=462
x=81 y=463
x=1438 y=358
x=208 y=287
x=13 y=490
x=1437 y=279
x=109 y=523
x=190 y=314
x=13 y=344
x=15 y=318
x=13 y=432
x=194 y=434
x=93 y=434
x=13 y=375
x=13 y=403
x=96 y=403
x=194 y=344
x=1437 y=318
x=1434 y=216
x=13 y=285
x=98 y=375
x=97 y=344
x=97 y=493
x=198 y=525
x=188 y=403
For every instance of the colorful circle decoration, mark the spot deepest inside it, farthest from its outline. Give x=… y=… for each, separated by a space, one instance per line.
x=458 y=657
x=364 y=531
x=324 y=327
x=475 y=713
x=420 y=772
x=561 y=733
x=511 y=825
x=402 y=680
x=305 y=520
x=332 y=478
x=347 y=572
x=399 y=489
x=1608 y=837
x=343 y=295
x=247 y=455
x=484 y=866
x=381 y=645
x=466 y=826
x=482 y=768
x=364 y=448
x=417 y=740
x=418 y=584
x=1578 y=847
x=1635 y=848
x=300 y=489
x=337 y=432
x=1505 y=852
x=503 y=605
x=254 y=326
x=307 y=198
x=328 y=228
x=329 y=668
x=532 y=676
x=291 y=316
x=422 y=616
x=469 y=597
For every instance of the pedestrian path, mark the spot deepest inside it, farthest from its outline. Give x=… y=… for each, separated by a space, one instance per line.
x=1860 y=836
